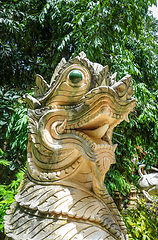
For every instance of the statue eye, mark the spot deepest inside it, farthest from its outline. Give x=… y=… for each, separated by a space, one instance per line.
x=75 y=76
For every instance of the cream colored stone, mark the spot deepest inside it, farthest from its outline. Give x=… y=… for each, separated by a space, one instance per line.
x=148 y=183
x=62 y=195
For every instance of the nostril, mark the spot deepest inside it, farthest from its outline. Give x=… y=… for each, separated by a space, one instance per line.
x=121 y=88
x=130 y=92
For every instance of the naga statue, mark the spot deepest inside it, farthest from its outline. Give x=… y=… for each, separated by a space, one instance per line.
x=148 y=183
x=62 y=195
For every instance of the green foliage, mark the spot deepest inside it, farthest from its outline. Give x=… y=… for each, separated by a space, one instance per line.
x=16 y=137
x=146 y=123
x=138 y=56
x=7 y=193
x=13 y=132
x=3 y=161
x=115 y=180
x=37 y=34
x=8 y=103
x=142 y=223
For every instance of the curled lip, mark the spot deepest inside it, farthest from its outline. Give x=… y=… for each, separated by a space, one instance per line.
x=97 y=133
x=97 y=138
x=88 y=125
x=103 y=110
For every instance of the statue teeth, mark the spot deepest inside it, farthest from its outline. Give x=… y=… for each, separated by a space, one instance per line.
x=93 y=146
x=111 y=114
x=75 y=125
x=71 y=126
x=75 y=164
x=79 y=159
x=82 y=122
x=90 y=142
x=62 y=173
x=68 y=170
x=114 y=147
x=80 y=134
x=84 y=137
x=126 y=118
x=87 y=139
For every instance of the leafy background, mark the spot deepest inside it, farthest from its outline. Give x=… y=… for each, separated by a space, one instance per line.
x=36 y=34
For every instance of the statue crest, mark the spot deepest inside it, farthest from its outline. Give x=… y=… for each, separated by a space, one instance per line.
x=62 y=195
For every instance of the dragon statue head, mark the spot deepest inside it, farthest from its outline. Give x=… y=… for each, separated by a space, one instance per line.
x=76 y=113
x=69 y=151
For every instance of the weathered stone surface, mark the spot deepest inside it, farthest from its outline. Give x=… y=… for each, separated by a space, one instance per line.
x=62 y=195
